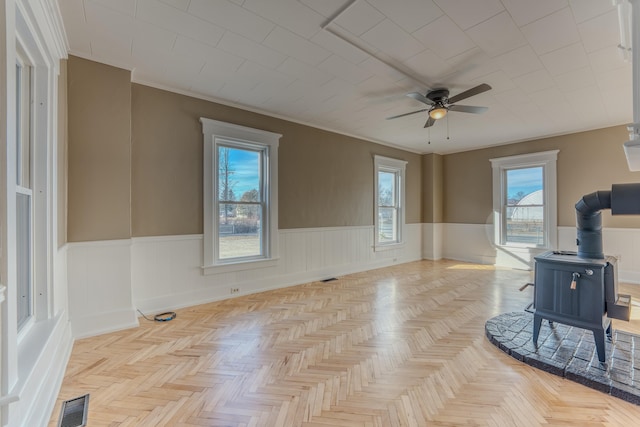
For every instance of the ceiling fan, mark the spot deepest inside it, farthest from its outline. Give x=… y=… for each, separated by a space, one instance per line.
x=439 y=103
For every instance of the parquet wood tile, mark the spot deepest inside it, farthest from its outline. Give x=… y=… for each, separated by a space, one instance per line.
x=399 y=346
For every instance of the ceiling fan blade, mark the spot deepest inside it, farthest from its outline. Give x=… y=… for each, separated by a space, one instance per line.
x=419 y=97
x=469 y=93
x=468 y=109
x=407 y=114
x=430 y=122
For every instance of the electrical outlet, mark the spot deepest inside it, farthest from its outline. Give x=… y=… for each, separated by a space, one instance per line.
x=235 y=290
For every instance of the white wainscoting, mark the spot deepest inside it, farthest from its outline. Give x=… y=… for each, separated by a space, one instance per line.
x=99 y=275
x=432 y=241
x=468 y=242
x=473 y=243
x=109 y=280
x=623 y=243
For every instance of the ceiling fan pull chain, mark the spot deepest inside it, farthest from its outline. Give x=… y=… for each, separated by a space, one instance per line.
x=447 y=127
x=429 y=130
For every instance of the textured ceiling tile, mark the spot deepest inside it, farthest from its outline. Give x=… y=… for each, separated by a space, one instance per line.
x=587 y=9
x=526 y=11
x=519 y=61
x=246 y=48
x=172 y=19
x=600 y=32
x=359 y=18
x=340 y=47
x=497 y=35
x=290 y=14
x=566 y=59
x=444 y=37
x=408 y=14
x=231 y=17
x=393 y=40
x=304 y=72
x=467 y=13
x=535 y=81
x=326 y=8
x=284 y=41
x=178 y=4
x=552 y=32
x=344 y=69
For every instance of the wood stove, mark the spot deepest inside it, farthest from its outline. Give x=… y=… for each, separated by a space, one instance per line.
x=578 y=292
x=581 y=288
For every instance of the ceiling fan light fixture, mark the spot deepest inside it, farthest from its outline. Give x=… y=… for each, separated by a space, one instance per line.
x=438 y=113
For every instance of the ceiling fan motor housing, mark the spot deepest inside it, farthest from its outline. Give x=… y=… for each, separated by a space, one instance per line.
x=438 y=95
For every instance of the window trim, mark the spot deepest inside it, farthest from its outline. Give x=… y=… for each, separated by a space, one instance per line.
x=216 y=132
x=548 y=161
x=388 y=164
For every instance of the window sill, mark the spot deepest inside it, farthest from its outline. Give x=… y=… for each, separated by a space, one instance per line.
x=523 y=247
x=388 y=247
x=239 y=266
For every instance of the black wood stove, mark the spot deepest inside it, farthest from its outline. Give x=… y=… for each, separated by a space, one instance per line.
x=581 y=288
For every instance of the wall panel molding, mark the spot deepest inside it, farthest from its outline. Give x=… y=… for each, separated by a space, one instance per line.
x=109 y=280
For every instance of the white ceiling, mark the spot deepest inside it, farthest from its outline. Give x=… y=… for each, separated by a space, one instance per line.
x=554 y=65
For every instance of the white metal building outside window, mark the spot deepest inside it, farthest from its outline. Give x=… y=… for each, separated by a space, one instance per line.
x=524 y=200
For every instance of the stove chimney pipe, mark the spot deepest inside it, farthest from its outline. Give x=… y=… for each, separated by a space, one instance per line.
x=623 y=199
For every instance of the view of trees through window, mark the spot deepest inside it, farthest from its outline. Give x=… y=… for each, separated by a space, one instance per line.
x=240 y=202
x=387 y=207
x=524 y=216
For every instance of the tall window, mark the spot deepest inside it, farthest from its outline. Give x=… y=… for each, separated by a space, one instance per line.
x=525 y=200
x=241 y=200
x=240 y=196
x=389 y=195
x=24 y=192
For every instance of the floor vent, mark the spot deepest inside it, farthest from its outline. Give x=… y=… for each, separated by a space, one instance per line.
x=74 y=412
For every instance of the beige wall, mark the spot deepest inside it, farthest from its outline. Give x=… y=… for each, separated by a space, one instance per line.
x=99 y=115
x=587 y=162
x=325 y=179
x=135 y=166
x=432 y=187
x=62 y=155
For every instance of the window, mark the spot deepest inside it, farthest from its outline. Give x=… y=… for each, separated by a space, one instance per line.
x=240 y=196
x=389 y=201
x=524 y=200
x=24 y=191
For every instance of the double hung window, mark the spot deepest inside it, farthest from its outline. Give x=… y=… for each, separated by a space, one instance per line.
x=240 y=196
x=524 y=200
x=24 y=190
x=389 y=201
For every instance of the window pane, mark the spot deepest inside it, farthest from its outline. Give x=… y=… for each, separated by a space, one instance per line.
x=524 y=214
x=23 y=125
x=241 y=235
x=386 y=188
x=238 y=174
x=387 y=225
x=23 y=244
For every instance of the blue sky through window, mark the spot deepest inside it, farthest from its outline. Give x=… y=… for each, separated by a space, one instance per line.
x=526 y=180
x=245 y=165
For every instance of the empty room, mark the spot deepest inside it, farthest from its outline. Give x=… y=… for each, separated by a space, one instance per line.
x=320 y=213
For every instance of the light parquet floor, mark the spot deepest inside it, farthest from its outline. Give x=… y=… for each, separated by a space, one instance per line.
x=399 y=346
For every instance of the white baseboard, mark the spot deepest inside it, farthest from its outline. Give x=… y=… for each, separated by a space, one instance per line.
x=103 y=323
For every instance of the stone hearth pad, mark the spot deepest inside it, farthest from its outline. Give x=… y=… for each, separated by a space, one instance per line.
x=570 y=352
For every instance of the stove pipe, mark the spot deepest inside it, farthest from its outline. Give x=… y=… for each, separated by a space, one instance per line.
x=623 y=199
